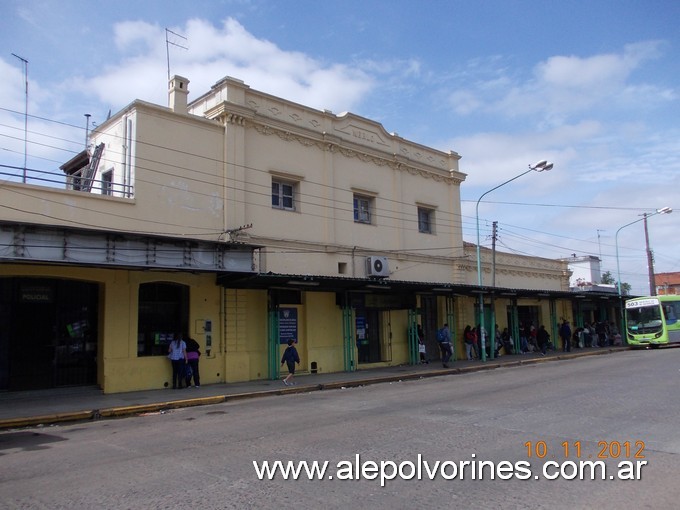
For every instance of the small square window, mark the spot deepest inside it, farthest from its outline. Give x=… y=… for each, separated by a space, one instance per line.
x=283 y=195
x=425 y=220
x=362 y=209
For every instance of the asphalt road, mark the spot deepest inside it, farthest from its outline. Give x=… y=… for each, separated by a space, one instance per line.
x=624 y=405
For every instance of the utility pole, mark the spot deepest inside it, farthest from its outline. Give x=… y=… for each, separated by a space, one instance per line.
x=650 y=259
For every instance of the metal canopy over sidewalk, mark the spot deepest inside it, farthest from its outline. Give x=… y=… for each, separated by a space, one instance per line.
x=313 y=283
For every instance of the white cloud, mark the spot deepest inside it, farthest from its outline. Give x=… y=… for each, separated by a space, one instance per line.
x=213 y=53
x=138 y=37
x=562 y=86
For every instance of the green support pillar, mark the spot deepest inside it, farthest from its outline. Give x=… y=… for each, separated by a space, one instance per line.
x=453 y=327
x=514 y=325
x=492 y=329
x=412 y=328
x=579 y=315
x=348 y=339
x=554 y=327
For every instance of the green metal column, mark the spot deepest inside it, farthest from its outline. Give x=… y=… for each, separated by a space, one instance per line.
x=579 y=315
x=412 y=327
x=453 y=327
x=514 y=326
x=348 y=338
x=492 y=329
x=273 y=343
x=554 y=327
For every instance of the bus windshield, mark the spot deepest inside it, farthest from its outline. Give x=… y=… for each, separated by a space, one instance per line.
x=646 y=319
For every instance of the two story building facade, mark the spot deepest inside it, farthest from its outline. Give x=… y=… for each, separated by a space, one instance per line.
x=244 y=220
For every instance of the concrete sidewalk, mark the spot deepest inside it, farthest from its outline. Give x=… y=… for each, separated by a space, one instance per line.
x=30 y=408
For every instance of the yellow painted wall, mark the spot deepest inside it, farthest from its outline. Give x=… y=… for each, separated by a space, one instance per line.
x=123 y=369
x=119 y=368
x=323 y=341
x=398 y=325
x=246 y=334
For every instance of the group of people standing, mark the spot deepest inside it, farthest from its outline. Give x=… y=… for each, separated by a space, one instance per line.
x=184 y=356
x=531 y=339
x=595 y=334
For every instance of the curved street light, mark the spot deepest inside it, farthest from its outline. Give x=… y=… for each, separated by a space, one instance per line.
x=663 y=210
x=540 y=166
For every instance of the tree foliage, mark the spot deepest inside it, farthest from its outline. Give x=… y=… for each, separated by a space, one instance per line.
x=608 y=279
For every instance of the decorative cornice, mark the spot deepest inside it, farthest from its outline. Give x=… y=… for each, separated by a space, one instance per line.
x=333 y=147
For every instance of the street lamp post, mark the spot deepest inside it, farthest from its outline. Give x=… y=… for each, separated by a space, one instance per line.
x=663 y=210
x=541 y=166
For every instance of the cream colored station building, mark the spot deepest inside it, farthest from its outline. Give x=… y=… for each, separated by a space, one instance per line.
x=244 y=220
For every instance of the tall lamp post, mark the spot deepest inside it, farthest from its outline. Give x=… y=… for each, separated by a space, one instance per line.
x=663 y=210
x=541 y=166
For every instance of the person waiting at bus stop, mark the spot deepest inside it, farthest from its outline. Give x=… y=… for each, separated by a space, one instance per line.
x=565 y=335
x=543 y=338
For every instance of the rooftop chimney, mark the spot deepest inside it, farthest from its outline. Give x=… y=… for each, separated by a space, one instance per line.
x=178 y=90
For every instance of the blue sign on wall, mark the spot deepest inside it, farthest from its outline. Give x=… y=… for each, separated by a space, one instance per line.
x=288 y=325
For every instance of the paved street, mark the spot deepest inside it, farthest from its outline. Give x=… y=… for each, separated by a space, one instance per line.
x=203 y=456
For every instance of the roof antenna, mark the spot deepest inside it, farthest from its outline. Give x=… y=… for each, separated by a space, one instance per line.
x=168 y=42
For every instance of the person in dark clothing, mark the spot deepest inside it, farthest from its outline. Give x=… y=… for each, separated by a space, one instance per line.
x=543 y=338
x=193 y=354
x=565 y=335
x=506 y=340
x=290 y=357
x=444 y=339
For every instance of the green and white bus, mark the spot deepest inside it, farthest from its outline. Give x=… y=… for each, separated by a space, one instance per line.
x=653 y=320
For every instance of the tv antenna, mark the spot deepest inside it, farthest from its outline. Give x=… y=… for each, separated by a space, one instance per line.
x=598 y=242
x=176 y=40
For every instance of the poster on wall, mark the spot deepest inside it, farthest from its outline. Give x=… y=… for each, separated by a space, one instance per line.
x=288 y=325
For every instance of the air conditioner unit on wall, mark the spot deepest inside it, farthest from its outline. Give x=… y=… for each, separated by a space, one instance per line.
x=377 y=267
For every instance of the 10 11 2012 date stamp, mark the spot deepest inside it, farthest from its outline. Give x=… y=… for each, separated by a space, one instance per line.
x=579 y=450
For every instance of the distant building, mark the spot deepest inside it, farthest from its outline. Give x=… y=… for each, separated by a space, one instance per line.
x=667 y=283
x=586 y=274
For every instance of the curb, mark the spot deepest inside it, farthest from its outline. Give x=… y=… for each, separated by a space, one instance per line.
x=122 y=411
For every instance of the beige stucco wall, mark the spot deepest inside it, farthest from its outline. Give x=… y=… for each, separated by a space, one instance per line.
x=516 y=271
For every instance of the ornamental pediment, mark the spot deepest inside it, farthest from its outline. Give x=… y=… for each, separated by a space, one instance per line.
x=363 y=135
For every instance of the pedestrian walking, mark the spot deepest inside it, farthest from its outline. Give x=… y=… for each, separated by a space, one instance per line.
x=444 y=340
x=290 y=358
x=469 y=339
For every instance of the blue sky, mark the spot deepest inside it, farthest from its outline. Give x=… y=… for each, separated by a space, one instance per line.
x=592 y=86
